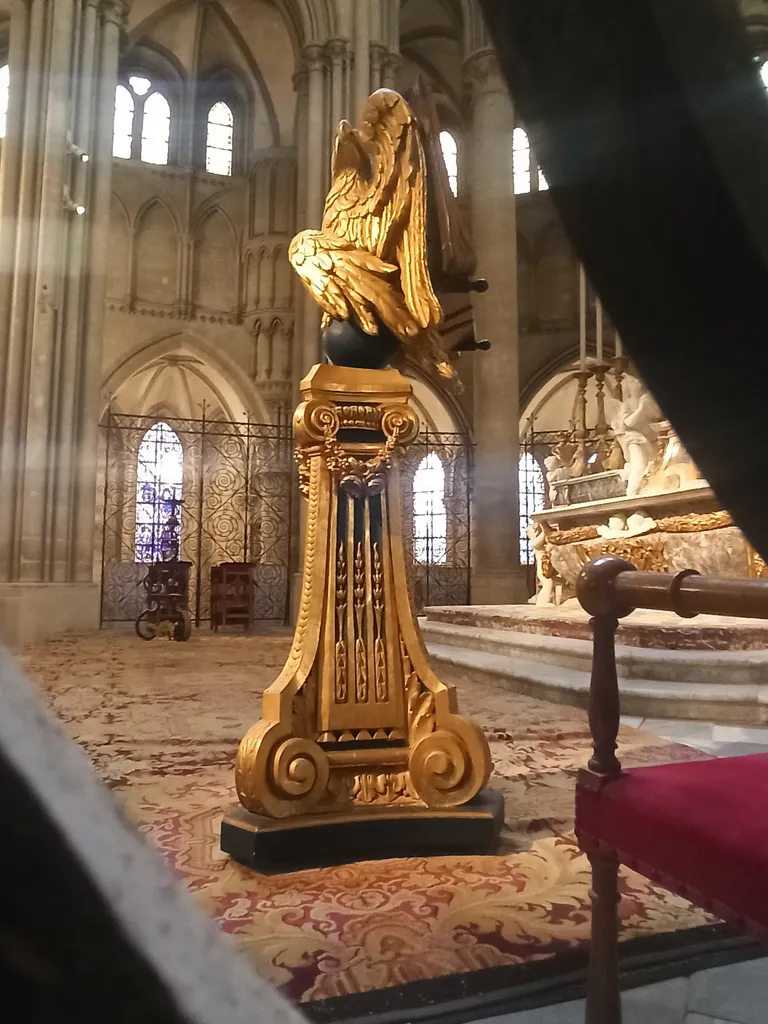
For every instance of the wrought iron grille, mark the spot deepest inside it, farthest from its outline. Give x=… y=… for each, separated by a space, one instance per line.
x=438 y=527
x=236 y=506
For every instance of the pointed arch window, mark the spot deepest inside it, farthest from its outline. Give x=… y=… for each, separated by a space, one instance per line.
x=218 y=139
x=430 y=521
x=122 y=135
x=159 y=483
x=526 y=173
x=142 y=123
x=451 y=159
x=155 y=129
x=4 y=87
x=531 y=491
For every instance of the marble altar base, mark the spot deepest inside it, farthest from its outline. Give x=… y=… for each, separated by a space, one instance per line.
x=710 y=668
x=665 y=532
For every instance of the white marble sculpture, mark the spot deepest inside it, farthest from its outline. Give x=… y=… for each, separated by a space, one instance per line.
x=556 y=471
x=634 y=426
x=621 y=528
x=545 y=591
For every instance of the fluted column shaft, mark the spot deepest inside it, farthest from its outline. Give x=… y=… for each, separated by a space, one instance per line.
x=361 y=41
x=61 y=104
x=497 y=576
x=102 y=100
x=317 y=155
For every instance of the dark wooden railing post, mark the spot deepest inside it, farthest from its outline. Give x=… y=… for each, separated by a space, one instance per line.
x=595 y=591
x=604 y=709
x=603 y=991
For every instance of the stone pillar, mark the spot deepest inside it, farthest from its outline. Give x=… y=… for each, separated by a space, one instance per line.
x=497 y=577
x=361 y=89
x=391 y=70
x=63 y=64
x=317 y=156
x=338 y=57
x=107 y=49
x=378 y=57
x=314 y=154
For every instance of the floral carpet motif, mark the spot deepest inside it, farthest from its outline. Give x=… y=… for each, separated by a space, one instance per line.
x=161 y=722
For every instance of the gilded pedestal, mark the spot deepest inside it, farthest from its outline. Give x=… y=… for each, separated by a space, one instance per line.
x=357 y=728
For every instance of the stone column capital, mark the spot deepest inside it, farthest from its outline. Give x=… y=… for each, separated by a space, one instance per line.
x=483 y=74
x=115 y=11
x=337 y=51
x=301 y=81
x=391 y=68
x=314 y=56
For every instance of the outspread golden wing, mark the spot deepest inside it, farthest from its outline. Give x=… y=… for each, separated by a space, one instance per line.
x=346 y=281
x=385 y=212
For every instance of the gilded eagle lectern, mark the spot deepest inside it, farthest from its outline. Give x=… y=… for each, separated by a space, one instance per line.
x=360 y=750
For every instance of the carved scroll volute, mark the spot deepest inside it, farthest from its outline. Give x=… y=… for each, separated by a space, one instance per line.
x=399 y=423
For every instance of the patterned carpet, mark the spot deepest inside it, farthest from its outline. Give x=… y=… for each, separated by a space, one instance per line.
x=161 y=723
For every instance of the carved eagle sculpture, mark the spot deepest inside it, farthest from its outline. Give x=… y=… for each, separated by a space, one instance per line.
x=368 y=262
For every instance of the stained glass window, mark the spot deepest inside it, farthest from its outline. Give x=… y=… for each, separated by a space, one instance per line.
x=122 y=135
x=451 y=158
x=218 y=139
x=159 y=477
x=430 y=522
x=4 y=84
x=531 y=491
x=155 y=129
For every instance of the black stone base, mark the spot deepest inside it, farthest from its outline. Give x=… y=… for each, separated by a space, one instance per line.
x=273 y=846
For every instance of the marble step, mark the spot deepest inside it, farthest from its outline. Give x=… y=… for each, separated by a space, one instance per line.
x=687 y=666
x=734 y=703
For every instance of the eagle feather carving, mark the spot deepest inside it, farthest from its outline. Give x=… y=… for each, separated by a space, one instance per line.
x=368 y=261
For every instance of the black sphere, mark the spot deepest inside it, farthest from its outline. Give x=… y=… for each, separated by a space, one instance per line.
x=347 y=344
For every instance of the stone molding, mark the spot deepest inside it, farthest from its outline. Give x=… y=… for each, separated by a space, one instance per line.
x=483 y=74
x=337 y=51
x=115 y=11
x=314 y=57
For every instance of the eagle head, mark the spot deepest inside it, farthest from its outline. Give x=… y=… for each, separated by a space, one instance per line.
x=349 y=154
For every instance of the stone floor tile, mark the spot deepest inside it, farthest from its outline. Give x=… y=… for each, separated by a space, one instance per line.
x=737 y=992
x=562 y=1013
x=739 y=734
x=679 y=729
x=664 y=1003
x=730 y=750
x=633 y=723
x=697 y=1018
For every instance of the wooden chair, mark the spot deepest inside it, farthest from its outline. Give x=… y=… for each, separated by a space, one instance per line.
x=232 y=595
x=700 y=828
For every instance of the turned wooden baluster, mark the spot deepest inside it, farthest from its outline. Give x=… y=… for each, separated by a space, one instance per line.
x=594 y=589
x=604 y=709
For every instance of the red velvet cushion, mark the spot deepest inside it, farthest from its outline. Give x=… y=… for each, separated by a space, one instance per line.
x=700 y=828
